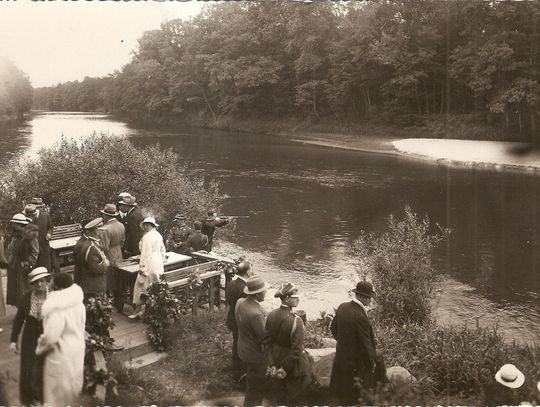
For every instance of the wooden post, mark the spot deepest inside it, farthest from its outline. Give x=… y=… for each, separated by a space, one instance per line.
x=195 y=302
x=218 y=290
x=211 y=293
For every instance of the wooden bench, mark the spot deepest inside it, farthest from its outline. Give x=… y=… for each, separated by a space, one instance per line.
x=62 y=242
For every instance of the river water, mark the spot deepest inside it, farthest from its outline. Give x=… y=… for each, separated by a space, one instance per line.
x=307 y=204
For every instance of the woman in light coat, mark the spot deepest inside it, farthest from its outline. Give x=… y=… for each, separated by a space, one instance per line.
x=62 y=342
x=151 y=261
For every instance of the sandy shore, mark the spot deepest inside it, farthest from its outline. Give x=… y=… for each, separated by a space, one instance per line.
x=496 y=155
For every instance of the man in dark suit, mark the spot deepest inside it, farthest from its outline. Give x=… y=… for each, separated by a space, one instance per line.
x=131 y=216
x=36 y=213
x=209 y=226
x=251 y=321
x=197 y=240
x=354 y=365
x=235 y=291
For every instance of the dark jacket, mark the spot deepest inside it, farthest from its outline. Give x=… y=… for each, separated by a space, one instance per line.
x=90 y=270
x=23 y=251
x=251 y=332
x=235 y=291
x=31 y=373
x=197 y=241
x=178 y=235
x=209 y=227
x=134 y=233
x=355 y=351
x=285 y=346
x=45 y=226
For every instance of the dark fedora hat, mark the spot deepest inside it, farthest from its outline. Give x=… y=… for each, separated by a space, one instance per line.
x=364 y=288
x=30 y=209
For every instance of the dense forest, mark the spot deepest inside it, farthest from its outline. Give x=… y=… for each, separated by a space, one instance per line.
x=15 y=91
x=352 y=61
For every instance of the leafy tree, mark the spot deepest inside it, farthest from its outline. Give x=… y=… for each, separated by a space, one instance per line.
x=15 y=90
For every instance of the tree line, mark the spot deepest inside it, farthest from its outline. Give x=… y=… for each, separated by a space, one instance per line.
x=15 y=91
x=348 y=62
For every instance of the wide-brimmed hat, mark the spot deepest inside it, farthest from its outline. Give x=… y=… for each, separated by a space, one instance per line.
x=93 y=224
x=30 y=209
x=151 y=220
x=286 y=290
x=179 y=216
x=364 y=288
x=254 y=285
x=128 y=200
x=109 y=210
x=38 y=273
x=19 y=218
x=510 y=376
x=37 y=201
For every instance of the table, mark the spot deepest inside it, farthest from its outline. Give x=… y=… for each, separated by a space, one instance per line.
x=62 y=248
x=128 y=269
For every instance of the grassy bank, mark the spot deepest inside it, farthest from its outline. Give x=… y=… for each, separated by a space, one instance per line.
x=451 y=364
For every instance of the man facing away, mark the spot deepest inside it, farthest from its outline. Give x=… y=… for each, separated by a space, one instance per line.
x=197 y=240
x=112 y=235
x=209 y=226
x=250 y=320
x=42 y=219
x=355 y=360
x=235 y=291
x=131 y=217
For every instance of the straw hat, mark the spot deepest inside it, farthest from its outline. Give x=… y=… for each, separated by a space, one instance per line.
x=38 y=273
x=254 y=285
x=128 y=200
x=109 y=210
x=19 y=218
x=151 y=220
x=510 y=376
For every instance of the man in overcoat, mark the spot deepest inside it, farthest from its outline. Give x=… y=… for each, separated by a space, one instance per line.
x=250 y=320
x=355 y=360
x=131 y=216
x=178 y=235
x=197 y=240
x=22 y=254
x=235 y=291
x=112 y=235
x=36 y=212
x=209 y=226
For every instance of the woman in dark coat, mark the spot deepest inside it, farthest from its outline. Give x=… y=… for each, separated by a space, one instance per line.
x=23 y=251
x=284 y=344
x=29 y=315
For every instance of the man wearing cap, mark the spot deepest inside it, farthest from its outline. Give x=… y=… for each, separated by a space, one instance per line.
x=22 y=254
x=210 y=224
x=250 y=320
x=197 y=240
x=235 y=291
x=355 y=360
x=91 y=263
x=112 y=235
x=131 y=216
x=285 y=349
x=178 y=235
x=37 y=215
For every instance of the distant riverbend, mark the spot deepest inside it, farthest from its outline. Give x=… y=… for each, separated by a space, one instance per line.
x=307 y=204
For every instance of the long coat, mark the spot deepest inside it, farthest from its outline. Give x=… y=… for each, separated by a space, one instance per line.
x=178 y=235
x=62 y=342
x=355 y=351
x=23 y=251
x=134 y=233
x=31 y=373
x=112 y=236
x=90 y=270
x=151 y=263
x=250 y=320
x=45 y=226
x=235 y=291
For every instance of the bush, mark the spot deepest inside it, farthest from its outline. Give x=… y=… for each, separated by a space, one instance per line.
x=399 y=263
x=79 y=178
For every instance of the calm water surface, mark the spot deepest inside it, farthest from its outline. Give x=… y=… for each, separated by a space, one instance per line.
x=307 y=204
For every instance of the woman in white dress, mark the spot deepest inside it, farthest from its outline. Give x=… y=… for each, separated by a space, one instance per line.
x=151 y=262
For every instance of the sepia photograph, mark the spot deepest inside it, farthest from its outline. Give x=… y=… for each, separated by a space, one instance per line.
x=269 y=203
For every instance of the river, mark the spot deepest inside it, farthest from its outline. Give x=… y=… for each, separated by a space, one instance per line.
x=307 y=204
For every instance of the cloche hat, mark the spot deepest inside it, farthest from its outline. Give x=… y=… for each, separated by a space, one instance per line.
x=151 y=220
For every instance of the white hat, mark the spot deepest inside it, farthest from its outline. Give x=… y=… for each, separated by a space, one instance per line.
x=20 y=218
x=510 y=376
x=150 y=219
x=38 y=273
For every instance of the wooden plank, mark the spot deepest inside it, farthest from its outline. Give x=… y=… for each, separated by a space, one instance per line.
x=173 y=275
x=184 y=281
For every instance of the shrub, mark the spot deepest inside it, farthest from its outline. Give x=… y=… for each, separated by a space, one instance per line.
x=79 y=178
x=399 y=262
